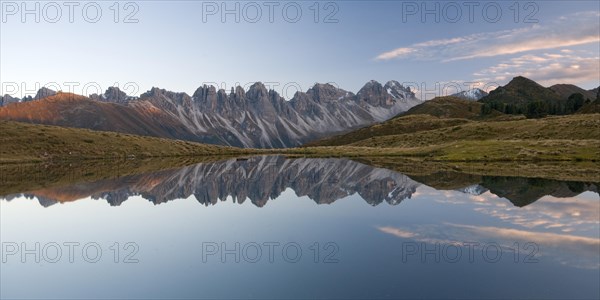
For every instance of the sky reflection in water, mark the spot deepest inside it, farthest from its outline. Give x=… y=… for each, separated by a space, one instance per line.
x=372 y=228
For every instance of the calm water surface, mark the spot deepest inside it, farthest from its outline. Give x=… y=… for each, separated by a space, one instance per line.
x=270 y=227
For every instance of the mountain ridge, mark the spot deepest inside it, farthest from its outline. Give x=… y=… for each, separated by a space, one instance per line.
x=260 y=118
x=256 y=118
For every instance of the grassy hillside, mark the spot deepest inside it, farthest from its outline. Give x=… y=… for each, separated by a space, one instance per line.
x=590 y=108
x=447 y=107
x=565 y=138
x=404 y=125
x=566 y=90
x=472 y=151
x=575 y=127
x=71 y=110
x=439 y=112
x=29 y=142
x=559 y=138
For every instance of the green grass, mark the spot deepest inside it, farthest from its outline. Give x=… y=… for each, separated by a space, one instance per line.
x=23 y=142
x=428 y=138
x=471 y=151
x=573 y=127
x=559 y=138
x=448 y=107
x=408 y=124
x=520 y=150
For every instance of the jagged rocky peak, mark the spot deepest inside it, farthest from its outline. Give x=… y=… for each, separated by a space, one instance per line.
x=398 y=91
x=257 y=90
x=258 y=93
x=374 y=94
x=153 y=92
x=239 y=92
x=8 y=99
x=210 y=99
x=222 y=93
x=113 y=95
x=372 y=85
x=204 y=92
x=274 y=95
x=158 y=92
x=166 y=99
x=305 y=106
x=43 y=93
x=324 y=92
x=222 y=96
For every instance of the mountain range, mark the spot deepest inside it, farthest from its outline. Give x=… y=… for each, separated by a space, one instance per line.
x=261 y=118
x=498 y=126
x=257 y=118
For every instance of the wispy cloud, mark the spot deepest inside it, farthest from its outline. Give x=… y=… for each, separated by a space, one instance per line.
x=396 y=53
x=576 y=29
x=397 y=232
x=570 y=214
x=567 y=249
x=547 y=68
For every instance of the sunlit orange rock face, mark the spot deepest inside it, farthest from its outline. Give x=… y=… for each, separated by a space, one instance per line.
x=70 y=110
x=145 y=183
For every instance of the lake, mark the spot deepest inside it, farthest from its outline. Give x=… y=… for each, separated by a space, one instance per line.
x=277 y=227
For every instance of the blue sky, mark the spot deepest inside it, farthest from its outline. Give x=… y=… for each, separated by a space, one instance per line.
x=172 y=46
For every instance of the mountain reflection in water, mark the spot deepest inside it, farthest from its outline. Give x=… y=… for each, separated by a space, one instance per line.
x=263 y=178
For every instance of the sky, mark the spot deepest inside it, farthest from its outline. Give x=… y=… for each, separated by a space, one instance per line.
x=436 y=47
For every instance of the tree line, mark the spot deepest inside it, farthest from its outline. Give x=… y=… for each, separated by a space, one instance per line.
x=538 y=109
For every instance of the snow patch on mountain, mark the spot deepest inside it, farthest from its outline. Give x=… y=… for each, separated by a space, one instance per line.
x=472 y=94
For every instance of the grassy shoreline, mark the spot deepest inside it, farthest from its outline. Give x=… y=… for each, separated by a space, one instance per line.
x=19 y=178
x=29 y=143
x=471 y=151
x=16 y=178
x=33 y=143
